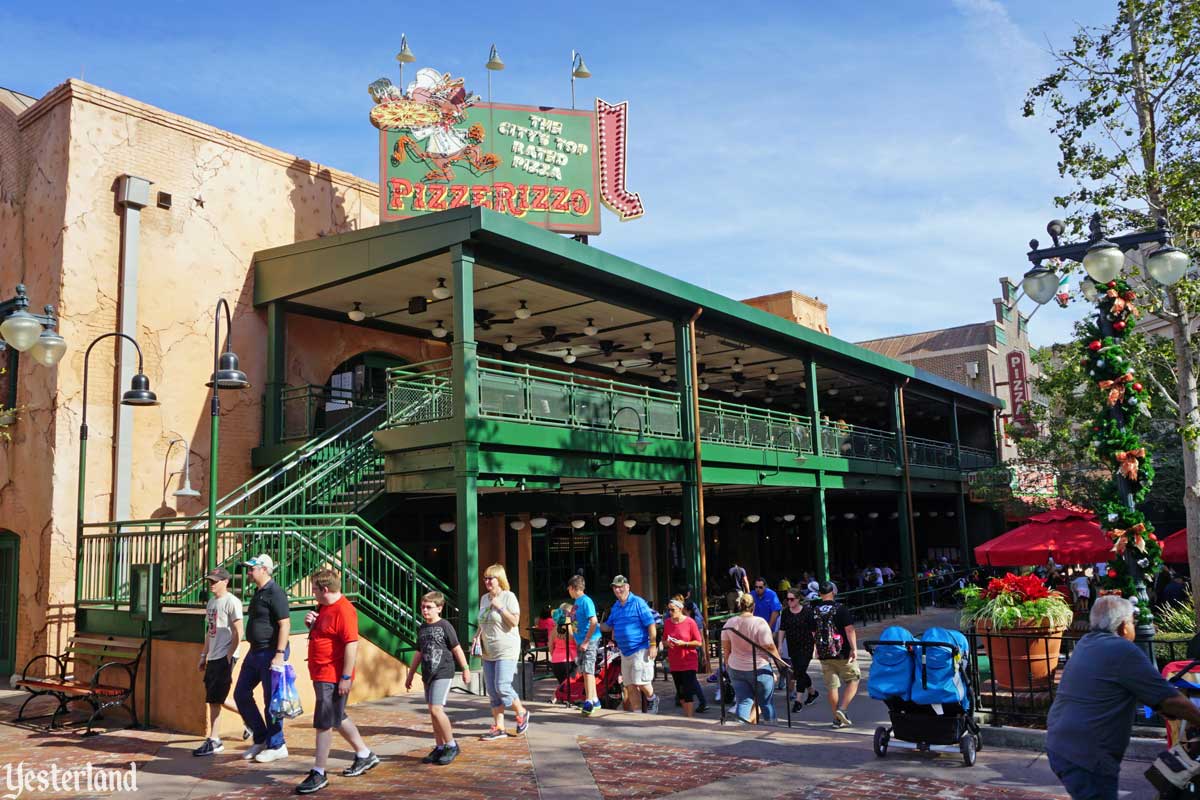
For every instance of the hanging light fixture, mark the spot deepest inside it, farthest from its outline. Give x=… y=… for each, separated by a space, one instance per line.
x=768 y=399
x=522 y=311
x=49 y=347
x=578 y=523
x=607 y=520
x=1103 y=262
x=933 y=513
x=438 y=331
x=849 y=515
x=509 y=345
x=620 y=368
x=873 y=515
x=1041 y=284
x=789 y=517
x=1167 y=265
x=833 y=392
x=441 y=291
x=858 y=398
x=590 y=329
x=538 y=522
x=568 y=357
x=893 y=515
x=186 y=490
x=356 y=314
x=916 y=513
x=772 y=376
x=647 y=343
x=704 y=386
x=663 y=519
x=20 y=330
x=676 y=522
x=663 y=377
x=712 y=519
x=1088 y=287
x=517 y=524
x=949 y=513
x=494 y=63
x=752 y=518
x=737 y=392
x=737 y=365
x=446 y=527
x=629 y=522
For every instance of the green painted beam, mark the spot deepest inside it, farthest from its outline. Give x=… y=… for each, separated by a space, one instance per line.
x=466 y=538
x=821 y=534
x=276 y=373
x=503 y=433
x=509 y=465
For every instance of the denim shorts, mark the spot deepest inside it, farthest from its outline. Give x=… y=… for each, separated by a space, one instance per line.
x=498 y=679
x=585 y=658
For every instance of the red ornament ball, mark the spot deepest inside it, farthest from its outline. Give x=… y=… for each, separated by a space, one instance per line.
x=1083 y=362
x=1152 y=537
x=1112 y=573
x=1119 y=325
x=1112 y=284
x=1094 y=345
x=1137 y=387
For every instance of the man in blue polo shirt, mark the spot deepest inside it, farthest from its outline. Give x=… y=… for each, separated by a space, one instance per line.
x=766 y=604
x=631 y=623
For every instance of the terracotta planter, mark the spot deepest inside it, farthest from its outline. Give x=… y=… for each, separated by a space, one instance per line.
x=1023 y=658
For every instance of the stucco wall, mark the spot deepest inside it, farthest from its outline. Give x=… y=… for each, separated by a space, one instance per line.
x=230 y=197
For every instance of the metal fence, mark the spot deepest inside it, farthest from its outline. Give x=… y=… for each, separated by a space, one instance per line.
x=931 y=453
x=855 y=441
x=744 y=426
x=420 y=393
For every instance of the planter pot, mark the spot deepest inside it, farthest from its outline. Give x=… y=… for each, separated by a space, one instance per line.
x=8 y=417
x=1022 y=658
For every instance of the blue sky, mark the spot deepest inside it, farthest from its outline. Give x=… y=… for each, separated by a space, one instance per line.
x=870 y=153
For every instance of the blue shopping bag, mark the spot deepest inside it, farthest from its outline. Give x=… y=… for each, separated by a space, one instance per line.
x=285 y=700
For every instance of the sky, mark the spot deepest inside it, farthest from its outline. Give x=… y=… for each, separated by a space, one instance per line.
x=872 y=154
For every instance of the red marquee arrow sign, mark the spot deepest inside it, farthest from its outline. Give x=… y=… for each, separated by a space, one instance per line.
x=611 y=121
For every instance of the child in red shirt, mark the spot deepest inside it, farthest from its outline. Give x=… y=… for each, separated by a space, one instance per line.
x=683 y=654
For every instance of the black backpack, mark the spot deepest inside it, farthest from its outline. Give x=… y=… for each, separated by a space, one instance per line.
x=828 y=636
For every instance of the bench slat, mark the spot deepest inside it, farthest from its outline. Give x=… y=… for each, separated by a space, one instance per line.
x=112 y=654
x=127 y=644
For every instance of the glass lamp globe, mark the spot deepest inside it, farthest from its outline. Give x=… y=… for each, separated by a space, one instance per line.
x=49 y=348
x=1041 y=284
x=629 y=523
x=712 y=519
x=578 y=523
x=1088 y=287
x=509 y=345
x=21 y=330
x=538 y=522
x=663 y=519
x=606 y=520
x=752 y=518
x=1103 y=261
x=1167 y=265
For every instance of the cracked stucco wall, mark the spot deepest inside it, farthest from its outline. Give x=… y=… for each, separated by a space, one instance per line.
x=231 y=197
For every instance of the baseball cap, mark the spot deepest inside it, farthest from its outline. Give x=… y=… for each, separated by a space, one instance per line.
x=827 y=587
x=217 y=574
x=620 y=580
x=263 y=560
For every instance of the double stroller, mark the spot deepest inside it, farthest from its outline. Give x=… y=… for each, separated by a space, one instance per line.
x=926 y=685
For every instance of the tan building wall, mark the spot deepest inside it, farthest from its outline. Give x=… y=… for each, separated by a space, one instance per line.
x=795 y=307
x=60 y=234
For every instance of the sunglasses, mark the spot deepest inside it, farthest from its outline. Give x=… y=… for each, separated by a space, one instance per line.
x=793 y=599
x=488 y=578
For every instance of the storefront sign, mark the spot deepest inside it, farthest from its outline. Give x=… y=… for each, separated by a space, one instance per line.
x=1018 y=386
x=441 y=148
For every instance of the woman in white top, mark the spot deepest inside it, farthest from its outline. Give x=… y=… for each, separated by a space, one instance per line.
x=500 y=646
x=747 y=661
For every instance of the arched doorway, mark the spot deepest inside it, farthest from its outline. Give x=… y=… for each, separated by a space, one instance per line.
x=10 y=552
x=355 y=384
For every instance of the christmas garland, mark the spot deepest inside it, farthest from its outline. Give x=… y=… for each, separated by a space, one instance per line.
x=1118 y=448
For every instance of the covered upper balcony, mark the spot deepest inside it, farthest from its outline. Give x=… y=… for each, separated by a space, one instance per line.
x=547 y=344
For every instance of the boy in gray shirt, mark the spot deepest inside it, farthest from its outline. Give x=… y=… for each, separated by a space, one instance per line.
x=223 y=633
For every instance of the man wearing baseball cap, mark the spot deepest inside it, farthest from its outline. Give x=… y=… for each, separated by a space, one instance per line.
x=267 y=629
x=632 y=625
x=223 y=633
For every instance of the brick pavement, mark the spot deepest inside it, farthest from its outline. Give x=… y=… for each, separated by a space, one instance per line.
x=645 y=769
x=872 y=785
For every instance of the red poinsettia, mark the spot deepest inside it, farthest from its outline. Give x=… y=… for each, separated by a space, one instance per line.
x=1022 y=587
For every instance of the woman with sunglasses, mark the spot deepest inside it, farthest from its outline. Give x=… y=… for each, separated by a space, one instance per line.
x=499 y=640
x=800 y=649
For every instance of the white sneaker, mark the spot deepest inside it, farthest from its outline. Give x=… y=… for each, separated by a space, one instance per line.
x=253 y=751
x=272 y=754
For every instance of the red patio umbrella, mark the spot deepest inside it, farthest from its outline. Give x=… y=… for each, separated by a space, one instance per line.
x=1174 y=547
x=1066 y=535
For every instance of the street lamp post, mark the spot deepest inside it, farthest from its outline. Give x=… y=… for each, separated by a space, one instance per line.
x=34 y=333
x=578 y=70
x=1103 y=258
x=225 y=375
x=139 y=394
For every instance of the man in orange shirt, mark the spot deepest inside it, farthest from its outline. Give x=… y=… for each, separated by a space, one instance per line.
x=332 y=650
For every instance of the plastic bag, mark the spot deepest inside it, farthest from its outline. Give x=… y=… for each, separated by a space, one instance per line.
x=285 y=700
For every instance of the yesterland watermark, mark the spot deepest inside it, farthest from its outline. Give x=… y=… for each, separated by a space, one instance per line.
x=70 y=781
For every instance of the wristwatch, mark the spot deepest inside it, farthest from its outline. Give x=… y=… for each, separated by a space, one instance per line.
x=347 y=677
x=281 y=652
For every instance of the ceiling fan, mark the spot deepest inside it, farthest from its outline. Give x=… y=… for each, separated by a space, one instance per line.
x=485 y=319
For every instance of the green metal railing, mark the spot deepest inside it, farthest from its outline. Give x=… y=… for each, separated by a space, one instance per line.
x=305 y=410
x=855 y=441
x=376 y=574
x=419 y=393
x=974 y=458
x=745 y=426
x=931 y=453
x=508 y=390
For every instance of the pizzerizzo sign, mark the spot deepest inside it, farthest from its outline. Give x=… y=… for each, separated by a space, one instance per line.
x=441 y=148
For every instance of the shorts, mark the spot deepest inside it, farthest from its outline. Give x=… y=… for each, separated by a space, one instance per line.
x=585 y=658
x=637 y=669
x=437 y=690
x=837 y=671
x=331 y=706
x=218 y=677
x=685 y=684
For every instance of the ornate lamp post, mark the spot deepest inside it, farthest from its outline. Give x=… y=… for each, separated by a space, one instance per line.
x=23 y=331
x=1114 y=437
x=139 y=394
x=225 y=375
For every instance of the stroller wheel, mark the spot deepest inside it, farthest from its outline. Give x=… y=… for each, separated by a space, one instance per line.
x=880 y=741
x=967 y=746
x=978 y=743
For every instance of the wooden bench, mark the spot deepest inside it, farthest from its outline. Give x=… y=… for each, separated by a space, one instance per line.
x=106 y=654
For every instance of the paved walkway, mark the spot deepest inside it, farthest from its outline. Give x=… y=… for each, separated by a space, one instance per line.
x=609 y=755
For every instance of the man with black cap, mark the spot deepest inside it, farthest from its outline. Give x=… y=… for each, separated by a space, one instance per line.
x=268 y=626
x=832 y=628
x=223 y=634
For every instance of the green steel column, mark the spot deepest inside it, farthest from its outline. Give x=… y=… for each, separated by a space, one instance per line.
x=276 y=377
x=954 y=430
x=822 y=533
x=903 y=502
x=466 y=462
x=814 y=405
x=689 y=429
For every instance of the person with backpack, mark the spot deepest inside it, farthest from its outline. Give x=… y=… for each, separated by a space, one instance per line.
x=832 y=628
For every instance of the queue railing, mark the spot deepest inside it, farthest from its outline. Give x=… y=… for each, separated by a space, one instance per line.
x=785 y=671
